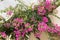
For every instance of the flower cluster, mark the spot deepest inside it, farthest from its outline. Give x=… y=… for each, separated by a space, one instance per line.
x=24 y=22
x=47 y=6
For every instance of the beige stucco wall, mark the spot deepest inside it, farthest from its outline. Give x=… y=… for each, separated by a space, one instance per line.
x=44 y=36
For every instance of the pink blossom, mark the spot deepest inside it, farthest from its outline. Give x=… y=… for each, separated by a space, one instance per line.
x=42 y=26
x=48 y=1
x=57 y=27
x=52 y=30
x=27 y=24
x=21 y=20
x=17 y=34
x=16 y=28
x=41 y=10
x=55 y=31
x=17 y=38
x=45 y=19
x=23 y=34
x=9 y=12
x=3 y=34
x=16 y=24
x=25 y=30
x=37 y=35
x=18 y=20
x=49 y=6
x=49 y=29
x=30 y=29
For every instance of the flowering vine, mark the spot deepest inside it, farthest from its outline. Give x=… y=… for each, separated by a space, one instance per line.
x=29 y=21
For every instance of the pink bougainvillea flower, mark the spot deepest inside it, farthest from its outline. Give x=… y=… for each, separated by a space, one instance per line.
x=48 y=1
x=9 y=12
x=54 y=6
x=19 y=20
x=57 y=27
x=37 y=35
x=42 y=26
x=41 y=10
x=27 y=24
x=16 y=20
x=16 y=24
x=25 y=30
x=30 y=29
x=52 y=30
x=49 y=29
x=23 y=34
x=45 y=19
x=3 y=34
x=17 y=38
x=49 y=6
x=17 y=34
x=55 y=31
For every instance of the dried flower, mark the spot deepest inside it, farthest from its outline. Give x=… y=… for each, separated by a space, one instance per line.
x=7 y=25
